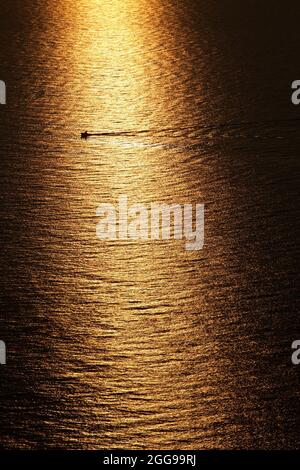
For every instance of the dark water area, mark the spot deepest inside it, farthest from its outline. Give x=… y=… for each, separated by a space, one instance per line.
x=141 y=344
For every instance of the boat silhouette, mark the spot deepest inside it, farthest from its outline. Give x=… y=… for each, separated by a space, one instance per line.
x=85 y=135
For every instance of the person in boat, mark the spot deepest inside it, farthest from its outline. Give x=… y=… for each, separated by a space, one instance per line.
x=84 y=135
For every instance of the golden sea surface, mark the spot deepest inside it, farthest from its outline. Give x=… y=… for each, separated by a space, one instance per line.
x=141 y=344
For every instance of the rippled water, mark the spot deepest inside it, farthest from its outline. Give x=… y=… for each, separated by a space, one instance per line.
x=142 y=344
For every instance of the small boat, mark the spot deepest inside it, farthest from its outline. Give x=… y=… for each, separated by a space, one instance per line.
x=86 y=134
